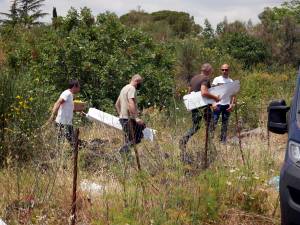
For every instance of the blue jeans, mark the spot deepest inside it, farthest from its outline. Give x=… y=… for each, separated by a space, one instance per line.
x=222 y=110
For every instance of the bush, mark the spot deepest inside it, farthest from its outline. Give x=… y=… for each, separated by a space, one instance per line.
x=258 y=88
x=102 y=54
x=191 y=54
x=243 y=47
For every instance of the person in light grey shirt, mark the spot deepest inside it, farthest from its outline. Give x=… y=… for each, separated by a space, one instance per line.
x=127 y=109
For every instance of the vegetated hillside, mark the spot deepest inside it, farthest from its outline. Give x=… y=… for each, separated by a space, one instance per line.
x=36 y=61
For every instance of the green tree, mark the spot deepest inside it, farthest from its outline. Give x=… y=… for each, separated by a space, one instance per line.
x=12 y=16
x=220 y=29
x=188 y=55
x=193 y=52
x=244 y=47
x=103 y=55
x=224 y=27
x=208 y=31
x=279 y=29
x=54 y=13
x=181 y=23
x=56 y=21
x=135 y=18
x=163 y=24
x=30 y=12
x=208 y=35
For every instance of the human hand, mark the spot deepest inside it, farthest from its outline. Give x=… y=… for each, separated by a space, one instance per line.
x=49 y=121
x=230 y=108
x=214 y=106
x=139 y=121
x=82 y=113
x=218 y=98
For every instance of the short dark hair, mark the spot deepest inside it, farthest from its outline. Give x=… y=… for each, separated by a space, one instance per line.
x=73 y=83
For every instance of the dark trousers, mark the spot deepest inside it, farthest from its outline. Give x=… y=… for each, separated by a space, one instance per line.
x=65 y=132
x=133 y=133
x=222 y=110
x=197 y=115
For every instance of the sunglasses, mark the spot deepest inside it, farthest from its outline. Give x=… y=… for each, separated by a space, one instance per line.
x=224 y=69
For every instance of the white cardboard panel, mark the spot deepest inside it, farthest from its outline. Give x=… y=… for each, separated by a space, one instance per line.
x=113 y=121
x=195 y=100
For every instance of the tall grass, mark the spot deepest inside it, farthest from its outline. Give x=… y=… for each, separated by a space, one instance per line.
x=171 y=192
x=164 y=191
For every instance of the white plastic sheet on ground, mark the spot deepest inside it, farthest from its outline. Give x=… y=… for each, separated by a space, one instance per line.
x=2 y=222
x=93 y=189
x=113 y=121
x=274 y=181
x=195 y=100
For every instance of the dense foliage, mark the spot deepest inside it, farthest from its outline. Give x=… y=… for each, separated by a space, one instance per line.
x=163 y=24
x=26 y=12
x=101 y=53
x=245 y=48
x=167 y=48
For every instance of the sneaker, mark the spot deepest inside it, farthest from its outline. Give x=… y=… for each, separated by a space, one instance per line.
x=125 y=150
x=223 y=142
x=185 y=157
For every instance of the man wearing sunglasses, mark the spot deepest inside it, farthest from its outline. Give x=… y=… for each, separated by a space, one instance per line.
x=226 y=105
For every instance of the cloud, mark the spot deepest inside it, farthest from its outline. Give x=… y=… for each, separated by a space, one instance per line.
x=213 y=10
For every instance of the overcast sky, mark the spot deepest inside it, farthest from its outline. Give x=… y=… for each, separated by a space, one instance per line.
x=214 y=10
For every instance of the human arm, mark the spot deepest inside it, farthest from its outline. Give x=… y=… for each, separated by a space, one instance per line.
x=132 y=105
x=215 y=82
x=232 y=103
x=205 y=93
x=55 y=108
x=118 y=106
x=133 y=111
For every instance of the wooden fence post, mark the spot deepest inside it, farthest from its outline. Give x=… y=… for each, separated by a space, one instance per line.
x=75 y=170
x=208 y=118
x=238 y=130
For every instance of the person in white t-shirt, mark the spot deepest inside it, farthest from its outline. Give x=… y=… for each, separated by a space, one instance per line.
x=225 y=106
x=62 y=112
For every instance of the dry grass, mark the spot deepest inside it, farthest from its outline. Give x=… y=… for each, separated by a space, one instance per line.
x=234 y=217
x=165 y=192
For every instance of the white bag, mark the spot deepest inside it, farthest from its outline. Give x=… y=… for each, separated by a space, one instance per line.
x=2 y=222
x=195 y=100
x=113 y=121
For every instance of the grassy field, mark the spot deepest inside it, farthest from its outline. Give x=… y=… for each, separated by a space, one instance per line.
x=165 y=191
x=167 y=48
